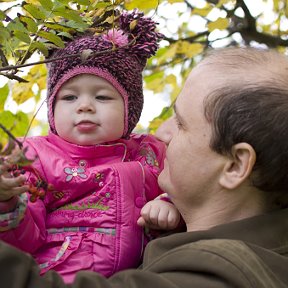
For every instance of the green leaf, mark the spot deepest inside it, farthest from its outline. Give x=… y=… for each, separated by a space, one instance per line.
x=17 y=25
x=22 y=36
x=29 y=23
x=69 y=15
x=40 y=47
x=2 y=15
x=4 y=34
x=34 y=11
x=46 y=4
x=7 y=119
x=58 y=27
x=52 y=38
x=65 y=2
x=153 y=76
x=83 y=2
x=166 y=113
x=22 y=124
x=77 y=26
x=65 y=34
x=4 y=92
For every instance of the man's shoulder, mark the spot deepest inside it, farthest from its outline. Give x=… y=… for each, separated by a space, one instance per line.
x=233 y=261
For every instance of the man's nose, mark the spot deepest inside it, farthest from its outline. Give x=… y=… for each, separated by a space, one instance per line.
x=166 y=130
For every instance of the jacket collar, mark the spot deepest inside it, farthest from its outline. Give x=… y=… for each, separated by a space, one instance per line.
x=269 y=231
x=116 y=150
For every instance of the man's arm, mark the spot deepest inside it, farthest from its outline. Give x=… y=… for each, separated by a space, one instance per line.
x=201 y=264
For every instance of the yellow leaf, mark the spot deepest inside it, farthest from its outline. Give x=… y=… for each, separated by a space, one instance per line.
x=170 y=53
x=42 y=82
x=171 y=79
x=38 y=70
x=133 y=24
x=37 y=74
x=110 y=19
x=220 y=23
x=189 y=49
x=155 y=85
x=175 y=1
x=202 y=11
x=154 y=124
x=98 y=12
x=175 y=93
x=140 y=4
x=22 y=92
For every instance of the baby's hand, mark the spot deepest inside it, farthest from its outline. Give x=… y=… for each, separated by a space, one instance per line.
x=160 y=215
x=10 y=186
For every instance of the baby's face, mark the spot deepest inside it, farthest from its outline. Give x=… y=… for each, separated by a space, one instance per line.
x=88 y=111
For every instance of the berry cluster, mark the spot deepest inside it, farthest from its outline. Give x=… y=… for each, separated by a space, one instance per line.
x=38 y=190
x=13 y=160
x=15 y=170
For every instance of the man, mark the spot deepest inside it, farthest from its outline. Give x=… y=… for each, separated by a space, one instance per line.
x=226 y=171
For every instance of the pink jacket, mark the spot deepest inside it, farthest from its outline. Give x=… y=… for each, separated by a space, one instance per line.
x=88 y=221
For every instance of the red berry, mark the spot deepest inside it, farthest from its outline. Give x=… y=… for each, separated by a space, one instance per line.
x=33 y=190
x=41 y=193
x=50 y=187
x=33 y=198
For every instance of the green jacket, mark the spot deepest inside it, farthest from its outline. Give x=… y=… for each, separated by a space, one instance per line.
x=247 y=253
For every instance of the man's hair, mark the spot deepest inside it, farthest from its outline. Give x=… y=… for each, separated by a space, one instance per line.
x=253 y=108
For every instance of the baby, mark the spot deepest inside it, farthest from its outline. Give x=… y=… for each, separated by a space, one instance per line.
x=96 y=173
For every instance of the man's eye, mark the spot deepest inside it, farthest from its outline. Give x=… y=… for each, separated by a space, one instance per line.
x=178 y=123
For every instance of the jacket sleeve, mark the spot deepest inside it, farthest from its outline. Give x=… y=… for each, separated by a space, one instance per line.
x=24 y=227
x=151 y=154
x=177 y=269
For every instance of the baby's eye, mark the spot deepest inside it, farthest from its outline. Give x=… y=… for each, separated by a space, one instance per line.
x=69 y=97
x=103 y=98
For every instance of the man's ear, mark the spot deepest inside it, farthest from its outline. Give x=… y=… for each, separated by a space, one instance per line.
x=239 y=166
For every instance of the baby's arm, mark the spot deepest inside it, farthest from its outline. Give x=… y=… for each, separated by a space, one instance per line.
x=159 y=215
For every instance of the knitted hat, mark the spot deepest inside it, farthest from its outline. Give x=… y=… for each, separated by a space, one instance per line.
x=128 y=50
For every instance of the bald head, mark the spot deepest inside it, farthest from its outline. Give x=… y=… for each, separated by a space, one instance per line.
x=249 y=65
x=248 y=102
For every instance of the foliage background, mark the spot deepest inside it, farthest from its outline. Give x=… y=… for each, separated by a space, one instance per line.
x=29 y=28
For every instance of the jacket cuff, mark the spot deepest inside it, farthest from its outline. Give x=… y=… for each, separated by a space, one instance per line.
x=164 y=197
x=8 y=206
x=11 y=219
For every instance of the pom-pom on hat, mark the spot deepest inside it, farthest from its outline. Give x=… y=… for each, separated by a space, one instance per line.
x=128 y=49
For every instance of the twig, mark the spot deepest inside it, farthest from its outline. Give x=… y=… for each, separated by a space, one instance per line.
x=64 y=57
x=11 y=136
x=30 y=124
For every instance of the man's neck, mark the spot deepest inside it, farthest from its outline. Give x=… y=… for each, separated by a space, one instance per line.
x=226 y=208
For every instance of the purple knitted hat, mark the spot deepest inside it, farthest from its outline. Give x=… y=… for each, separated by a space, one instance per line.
x=122 y=67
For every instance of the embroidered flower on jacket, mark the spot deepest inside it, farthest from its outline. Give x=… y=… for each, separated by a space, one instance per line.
x=74 y=172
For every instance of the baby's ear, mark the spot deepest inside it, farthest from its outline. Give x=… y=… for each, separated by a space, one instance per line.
x=239 y=166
